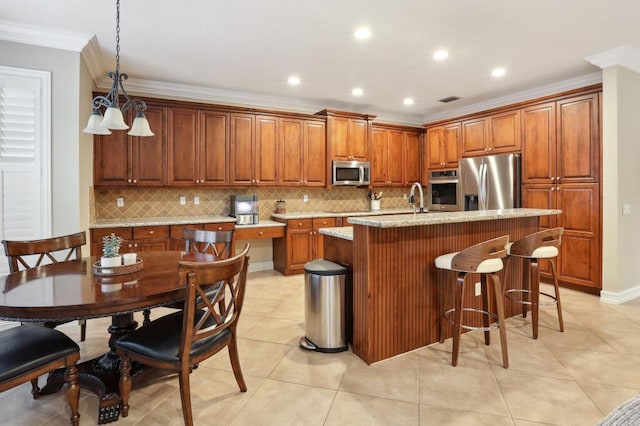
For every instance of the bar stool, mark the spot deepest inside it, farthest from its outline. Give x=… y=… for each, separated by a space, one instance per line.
x=532 y=248
x=486 y=259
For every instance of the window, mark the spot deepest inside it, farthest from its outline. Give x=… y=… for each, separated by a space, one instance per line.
x=25 y=189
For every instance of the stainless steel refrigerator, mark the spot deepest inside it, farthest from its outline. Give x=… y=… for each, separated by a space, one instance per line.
x=491 y=182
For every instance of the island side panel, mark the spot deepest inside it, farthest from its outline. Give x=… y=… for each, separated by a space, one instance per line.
x=395 y=281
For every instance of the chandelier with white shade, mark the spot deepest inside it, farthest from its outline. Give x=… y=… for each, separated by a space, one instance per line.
x=113 y=118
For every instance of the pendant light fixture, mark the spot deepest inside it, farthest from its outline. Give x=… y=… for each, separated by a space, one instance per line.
x=113 y=118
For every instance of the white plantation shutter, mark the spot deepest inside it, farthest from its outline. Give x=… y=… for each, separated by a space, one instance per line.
x=25 y=211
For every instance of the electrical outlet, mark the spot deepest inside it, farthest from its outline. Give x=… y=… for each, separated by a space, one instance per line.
x=626 y=209
x=478 y=289
x=404 y=196
x=305 y=198
x=183 y=201
x=119 y=202
x=196 y=200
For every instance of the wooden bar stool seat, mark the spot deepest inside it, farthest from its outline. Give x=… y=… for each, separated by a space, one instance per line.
x=484 y=258
x=539 y=245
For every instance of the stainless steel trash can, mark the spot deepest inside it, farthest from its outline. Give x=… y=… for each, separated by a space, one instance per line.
x=324 y=313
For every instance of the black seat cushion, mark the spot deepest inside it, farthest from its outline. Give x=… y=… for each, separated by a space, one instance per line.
x=28 y=347
x=160 y=339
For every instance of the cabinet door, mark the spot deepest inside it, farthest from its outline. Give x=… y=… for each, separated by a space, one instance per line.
x=411 y=158
x=395 y=157
x=242 y=154
x=450 y=145
x=111 y=165
x=474 y=137
x=504 y=131
x=266 y=150
x=317 y=243
x=435 y=140
x=151 y=245
x=539 y=144
x=578 y=146
x=214 y=148
x=315 y=154
x=149 y=154
x=541 y=197
x=379 y=157
x=300 y=248
x=291 y=152
x=338 y=138
x=182 y=134
x=579 y=260
x=359 y=149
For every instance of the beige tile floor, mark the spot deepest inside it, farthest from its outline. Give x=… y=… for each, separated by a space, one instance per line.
x=570 y=378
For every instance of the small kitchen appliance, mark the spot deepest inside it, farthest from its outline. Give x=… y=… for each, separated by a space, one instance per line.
x=245 y=209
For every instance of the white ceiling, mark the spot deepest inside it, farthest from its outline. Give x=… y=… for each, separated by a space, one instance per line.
x=246 y=49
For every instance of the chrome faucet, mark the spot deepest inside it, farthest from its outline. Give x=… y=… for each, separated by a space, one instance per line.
x=412 y=198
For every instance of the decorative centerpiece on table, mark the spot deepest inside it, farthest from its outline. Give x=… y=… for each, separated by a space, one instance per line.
x=375 y=198
x=111 y=251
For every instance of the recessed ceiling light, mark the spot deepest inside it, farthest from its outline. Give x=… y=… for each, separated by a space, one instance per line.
x=294 y=80
x=408 y=101
x=357 y=92
x=440 y=55
x=498 y=72
x=362 y=33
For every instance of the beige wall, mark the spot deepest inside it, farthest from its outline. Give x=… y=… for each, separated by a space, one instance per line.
x=621 y=177
x=69 y=208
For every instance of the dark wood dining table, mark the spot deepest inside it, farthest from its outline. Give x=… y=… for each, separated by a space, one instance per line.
x=72 y=290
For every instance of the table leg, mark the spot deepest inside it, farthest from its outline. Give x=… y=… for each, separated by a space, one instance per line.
x=100 y=375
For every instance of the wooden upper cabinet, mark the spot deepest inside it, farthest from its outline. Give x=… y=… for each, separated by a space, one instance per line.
x=348 y=138
x=395 y=158
x=182 y=141
x=442 y=146
x=121 y=160
x=314 y=159
x=242 y=135
x=539 y=143
x=266 y=149
x=495 y=134
x=291 y=152
x=578 y=139
x=213 y=149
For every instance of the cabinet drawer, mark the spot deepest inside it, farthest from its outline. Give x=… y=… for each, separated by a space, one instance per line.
x=299 y=224
x=262 y=232
x=223 y=226
x=98 y=233
x=324 y=222
x=176 y=230
x=142 y=232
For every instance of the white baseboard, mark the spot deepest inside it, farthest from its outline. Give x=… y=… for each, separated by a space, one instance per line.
x=619 y=297
x=260 y=266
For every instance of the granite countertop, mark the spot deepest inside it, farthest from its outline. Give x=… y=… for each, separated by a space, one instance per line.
x=311 y=215
x=177 y=220
x=396 y=221
x=344 y=232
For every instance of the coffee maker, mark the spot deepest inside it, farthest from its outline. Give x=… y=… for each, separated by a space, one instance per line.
x=245 y=209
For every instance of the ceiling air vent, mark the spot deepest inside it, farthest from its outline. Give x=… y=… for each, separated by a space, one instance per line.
x=449 y=99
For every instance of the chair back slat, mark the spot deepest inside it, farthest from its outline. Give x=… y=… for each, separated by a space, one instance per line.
x=527 y=245
x=221 y=307
x=469 y=258
x=69 y=246
x=217 y=243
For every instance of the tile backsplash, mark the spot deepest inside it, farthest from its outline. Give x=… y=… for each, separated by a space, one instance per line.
x=165 y=202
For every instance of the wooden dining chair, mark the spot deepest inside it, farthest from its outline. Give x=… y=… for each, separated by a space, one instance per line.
x=31 y=254
x=181 y=340
x=28 y=352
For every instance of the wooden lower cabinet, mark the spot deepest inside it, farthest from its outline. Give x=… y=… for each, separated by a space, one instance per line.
x=302 y=243
x=580 y=253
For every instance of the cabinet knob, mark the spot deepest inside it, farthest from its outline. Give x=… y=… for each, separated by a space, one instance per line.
x=130 y=245
x=553 y=178
x=257 y=180
x=152 y=232
x=219 y=228
x=553 y=188
x=201 y=180
x=558 y=178
x=260 y=233
x=129 y=180
x=197 y=180
x=135 y=181
x=135 y=245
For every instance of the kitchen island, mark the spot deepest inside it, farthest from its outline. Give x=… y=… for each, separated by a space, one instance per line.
x=395 y=282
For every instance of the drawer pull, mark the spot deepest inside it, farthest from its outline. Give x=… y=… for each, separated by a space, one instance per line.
x=152 y=232
x=260 y=233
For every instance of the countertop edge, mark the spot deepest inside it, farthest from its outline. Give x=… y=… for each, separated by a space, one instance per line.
x=181 y=220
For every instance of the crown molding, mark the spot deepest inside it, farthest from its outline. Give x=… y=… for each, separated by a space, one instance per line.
x=538 y=92
x=626 y=56
x=93 y=60
x=45 y=37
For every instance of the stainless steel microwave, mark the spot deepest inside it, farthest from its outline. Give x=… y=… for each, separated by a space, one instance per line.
x=354 y=173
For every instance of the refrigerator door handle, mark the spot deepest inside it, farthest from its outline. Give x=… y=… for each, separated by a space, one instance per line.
x=482 y=197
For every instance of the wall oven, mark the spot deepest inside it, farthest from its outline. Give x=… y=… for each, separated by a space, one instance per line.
x=444 y=192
